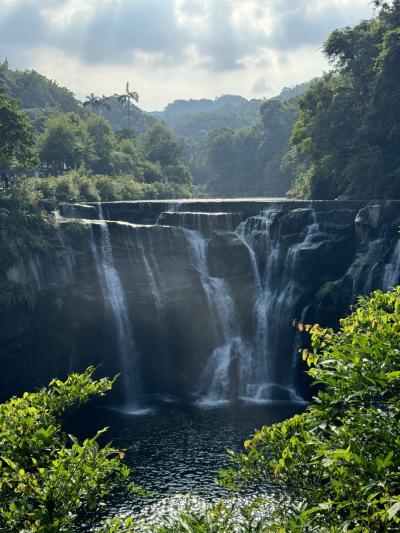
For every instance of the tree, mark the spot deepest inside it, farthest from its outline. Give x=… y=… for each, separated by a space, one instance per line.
x=126 y=98
x=126 y=157
x=64 y=143
x=160 y=145
x=346 y=140
x=101 y=141
x=47 y=477
x=104 y=104
x=16 y=135
x=92 y=101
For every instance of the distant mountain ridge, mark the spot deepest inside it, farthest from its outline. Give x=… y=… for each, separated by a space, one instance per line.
x=196 y=119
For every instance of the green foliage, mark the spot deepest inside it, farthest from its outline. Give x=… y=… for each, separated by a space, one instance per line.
x=339 y=461
x=16 y=135
x=101 y=144
x=347 y=135
x=160 y=145
x=36 y=91
x=195 y=120
x=249 y=162
x=64 y=143
x=78 y=186
x=24 y=227
x=89 y=146
x=47 y=478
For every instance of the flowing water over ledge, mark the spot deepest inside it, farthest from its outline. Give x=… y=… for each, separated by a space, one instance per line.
x=176 y=450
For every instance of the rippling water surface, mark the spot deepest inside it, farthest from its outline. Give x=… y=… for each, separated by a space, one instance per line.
x=176 y=450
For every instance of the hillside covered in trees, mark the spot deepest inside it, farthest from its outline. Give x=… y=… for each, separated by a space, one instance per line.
x=79 y=157
x=42 y=98
x=346 y=141
x=247 y=161
x=196 y=119
x=232 y=146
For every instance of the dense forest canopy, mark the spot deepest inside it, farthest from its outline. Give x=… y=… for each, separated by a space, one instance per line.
x=228 y=144
x=82 y=158
x=250 y=161
x=346 y=141
x=16 y=135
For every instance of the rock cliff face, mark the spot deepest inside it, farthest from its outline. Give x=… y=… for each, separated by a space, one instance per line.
x=194 y=299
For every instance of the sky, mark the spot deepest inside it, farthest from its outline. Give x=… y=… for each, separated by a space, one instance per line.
x=174 y=49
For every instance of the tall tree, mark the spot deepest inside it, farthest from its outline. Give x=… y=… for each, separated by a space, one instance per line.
x=126 y=99
x=104 y=104
x=16 y=135
x=64 y=144
x=160 y=145
x=101 y=142
x=92 y=101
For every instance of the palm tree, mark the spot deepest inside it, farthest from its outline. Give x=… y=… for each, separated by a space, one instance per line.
x=93 y=101
x=104 y=104
x=126 y=99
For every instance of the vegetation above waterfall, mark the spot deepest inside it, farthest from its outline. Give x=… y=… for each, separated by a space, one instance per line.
x=220 y=141
x=346 y=140
x=339 y=139
x=107 y=166
x=335 y=138
x=16 y=135
x=249 y=161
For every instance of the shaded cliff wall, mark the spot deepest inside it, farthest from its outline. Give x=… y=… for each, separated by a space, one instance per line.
x=211 y=289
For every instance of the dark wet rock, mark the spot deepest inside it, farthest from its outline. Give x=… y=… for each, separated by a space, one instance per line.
x=78 y=211
x=295 y=221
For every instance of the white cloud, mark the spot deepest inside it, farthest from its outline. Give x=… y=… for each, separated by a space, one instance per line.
x=173 y=48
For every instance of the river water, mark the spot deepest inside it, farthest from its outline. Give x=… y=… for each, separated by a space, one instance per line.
x=176 y=450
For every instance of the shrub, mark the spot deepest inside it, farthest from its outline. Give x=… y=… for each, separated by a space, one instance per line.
x=339 y=461
x=47 y=477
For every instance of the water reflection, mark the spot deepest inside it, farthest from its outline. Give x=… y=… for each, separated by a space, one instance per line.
x=176 y=449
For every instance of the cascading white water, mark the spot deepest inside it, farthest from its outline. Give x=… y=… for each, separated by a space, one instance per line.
x=215 y=383
x=277 y=295
x=114 y=297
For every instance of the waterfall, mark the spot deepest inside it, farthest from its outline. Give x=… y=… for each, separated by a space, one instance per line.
x=114 y=297
x=277 y=295
x=216 y=385
x=145 y=259
x=199 y=306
